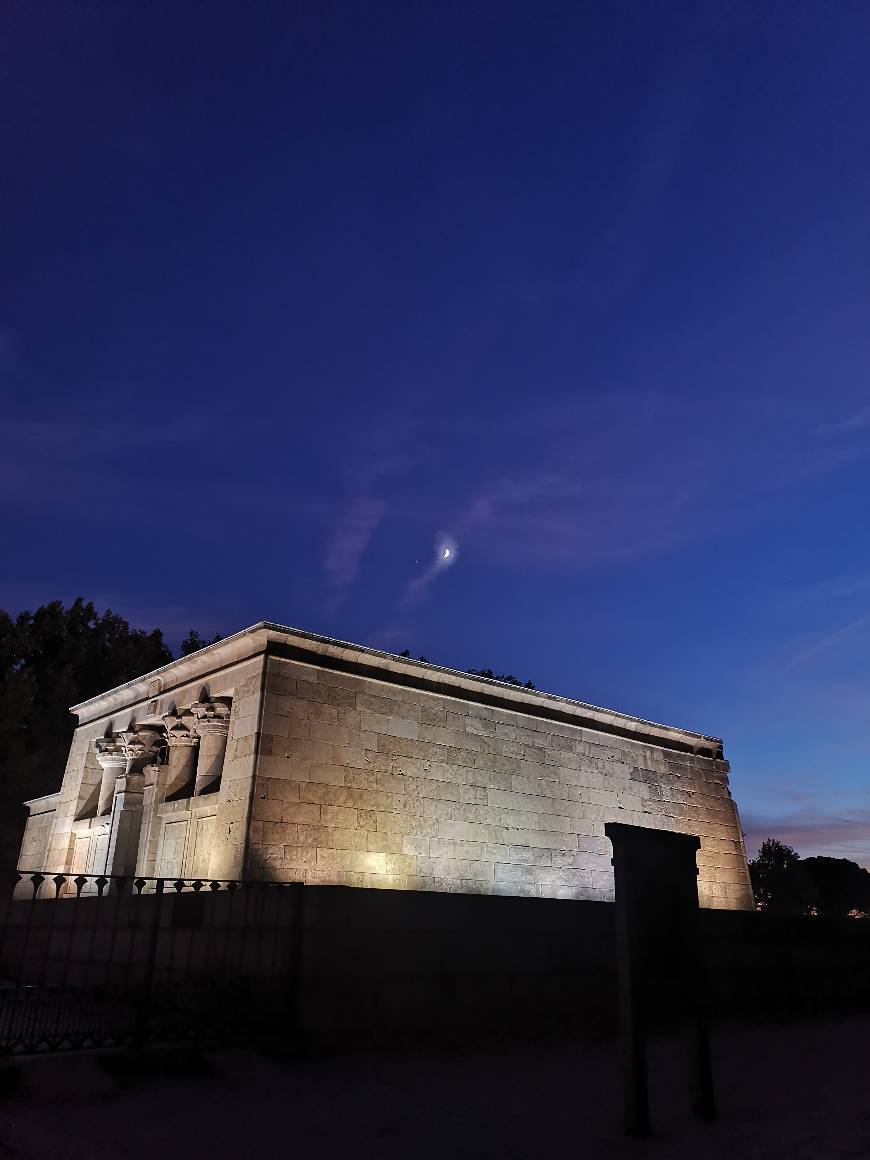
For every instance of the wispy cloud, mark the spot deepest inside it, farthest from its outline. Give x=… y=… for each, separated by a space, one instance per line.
x=812 y=832
x=61 y=461
x=618 y=482
x=858 y=421
x=347 y=547
x=417 y=589
x=593 y=482
x=834 y=589
x=363 y=514
x=859 y=625
x=85 y=434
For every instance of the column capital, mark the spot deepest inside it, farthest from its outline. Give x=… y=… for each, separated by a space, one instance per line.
x=138 y=741
x=212 y=717
x=110 y=752
x=121 y=750
x=181 y=728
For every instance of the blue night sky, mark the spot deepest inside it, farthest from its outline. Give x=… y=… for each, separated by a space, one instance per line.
x=292 y=294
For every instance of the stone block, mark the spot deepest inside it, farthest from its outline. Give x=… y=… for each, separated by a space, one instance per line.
x=505 y=872
x=440 y=847
x=380 y=843
x=341 y=817
x=267 y=809
x=353 y=860
x=279 y=832
x=452 y=830
x=308 y=813
x=280 y=667
x=328 y=774
x=323 y=836
x=400 y=863
x=418 y=846
x=281 y=789
x=400 y=727
x=301 y=856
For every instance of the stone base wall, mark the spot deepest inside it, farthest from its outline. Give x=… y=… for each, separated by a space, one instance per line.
x=361 y=782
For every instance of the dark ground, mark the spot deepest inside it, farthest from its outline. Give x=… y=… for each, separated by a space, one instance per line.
x=801 y=1092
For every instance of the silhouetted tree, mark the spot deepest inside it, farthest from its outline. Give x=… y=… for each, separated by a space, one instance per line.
x=193 y=642
x=841 y=887
x=50 y=659
x=779 y=880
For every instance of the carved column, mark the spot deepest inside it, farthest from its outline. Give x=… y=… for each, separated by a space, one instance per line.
x=213 y=726
x=112 y=757
x=124 y=804
x=181 y=765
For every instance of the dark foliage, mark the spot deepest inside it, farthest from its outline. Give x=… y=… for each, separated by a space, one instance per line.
x=193 y=642
x=50 y=659
x=841 y=887
x=506 y=678
x=779 y=880
x=785 y=883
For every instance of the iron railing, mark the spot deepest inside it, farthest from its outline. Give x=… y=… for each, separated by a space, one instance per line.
x=98 y=961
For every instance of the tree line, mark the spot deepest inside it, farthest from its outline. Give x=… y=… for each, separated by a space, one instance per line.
x=785 y=883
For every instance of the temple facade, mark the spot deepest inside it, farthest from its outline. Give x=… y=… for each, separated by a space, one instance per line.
x=280 y=754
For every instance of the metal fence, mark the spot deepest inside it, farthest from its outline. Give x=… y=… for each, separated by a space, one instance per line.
x=96 y=961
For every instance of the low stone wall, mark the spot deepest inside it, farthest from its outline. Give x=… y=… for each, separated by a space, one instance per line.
x=367 y=965
x=462 y=966
x=387 y=963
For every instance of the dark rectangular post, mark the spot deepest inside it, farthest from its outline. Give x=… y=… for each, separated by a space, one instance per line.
x=143 y=1015
x=631 y=1014
x=658 y=948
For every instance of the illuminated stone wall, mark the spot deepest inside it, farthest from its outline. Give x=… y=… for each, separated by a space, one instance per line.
x=367 y=783
x=280 y=754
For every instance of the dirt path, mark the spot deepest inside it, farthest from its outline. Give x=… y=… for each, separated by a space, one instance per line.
x=798 y=1092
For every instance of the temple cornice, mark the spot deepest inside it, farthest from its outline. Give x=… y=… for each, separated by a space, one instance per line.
x=319 y=651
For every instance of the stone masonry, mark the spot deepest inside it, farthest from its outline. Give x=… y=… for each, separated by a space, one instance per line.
x=280 y=754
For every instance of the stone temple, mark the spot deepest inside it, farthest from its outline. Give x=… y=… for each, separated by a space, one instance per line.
x=280 y=754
